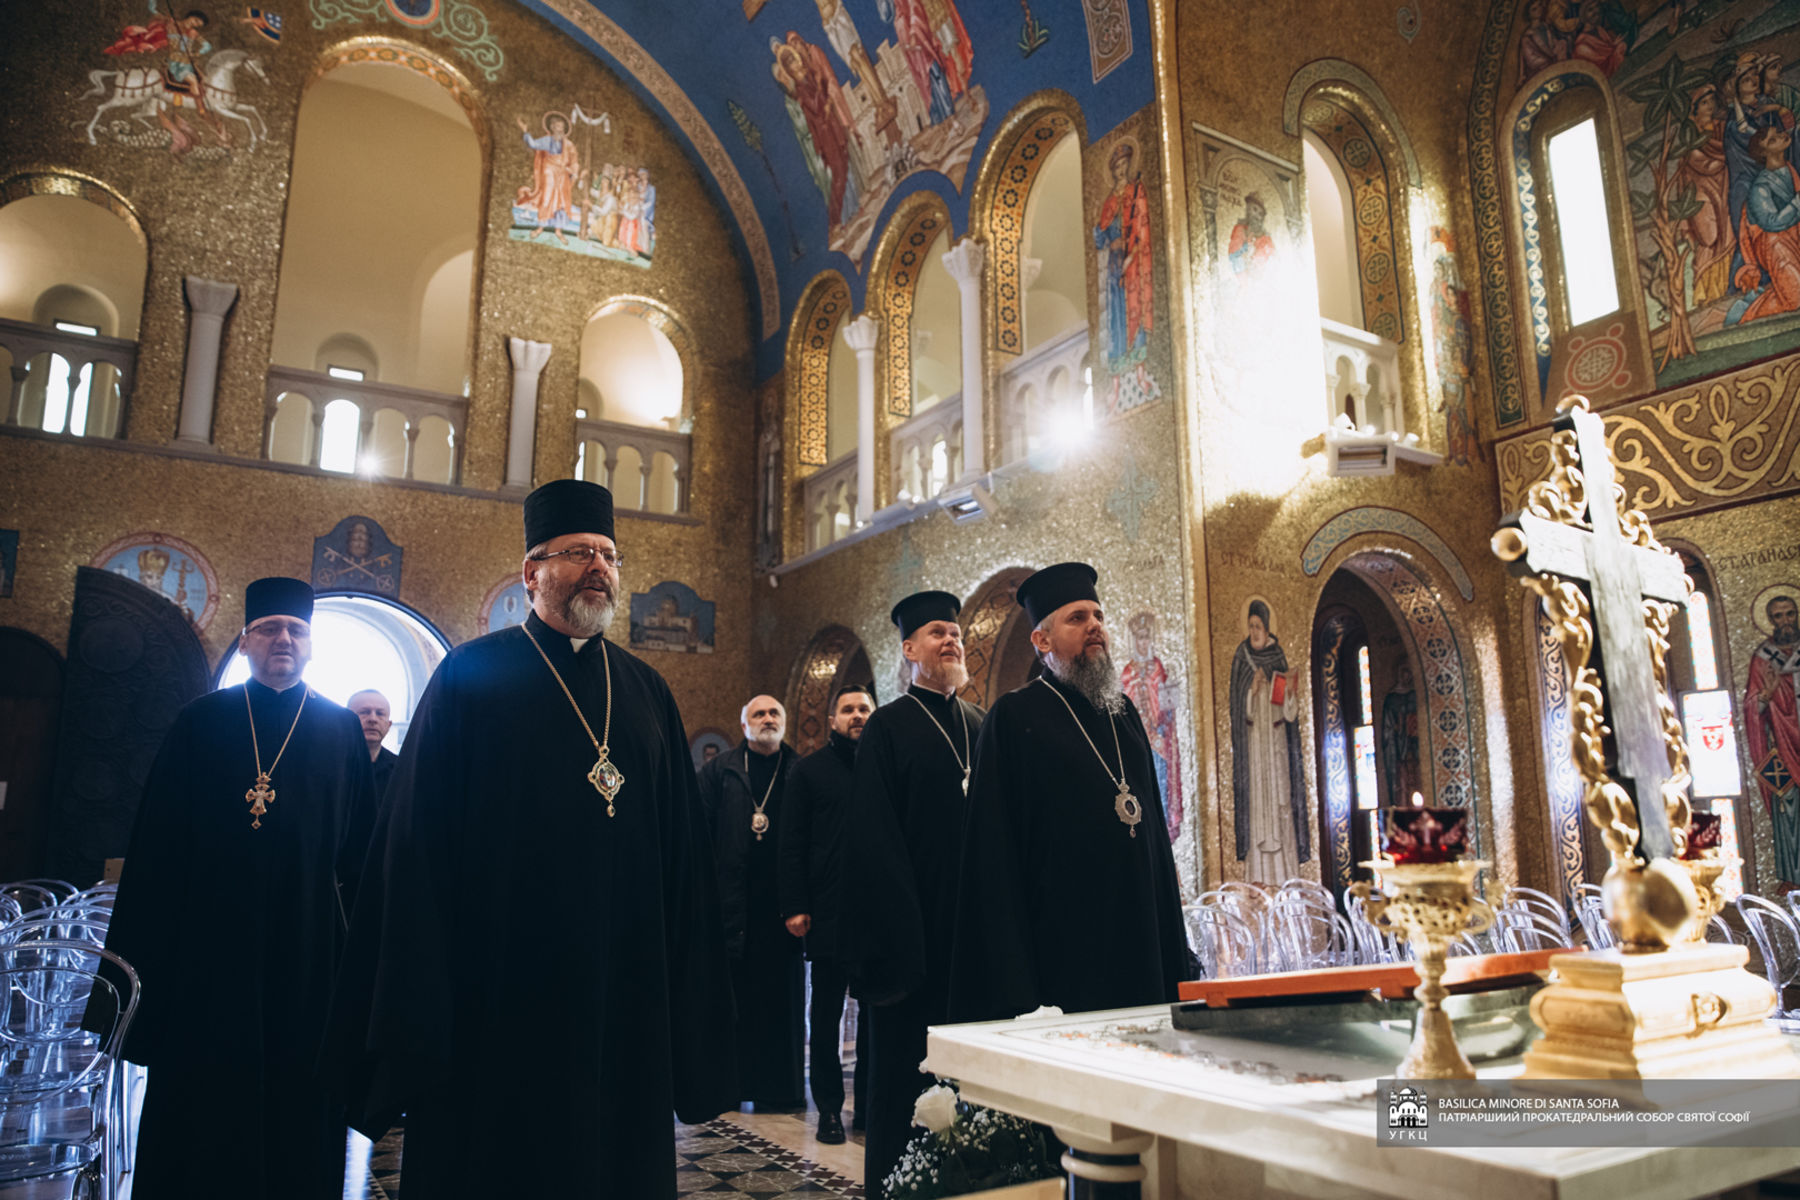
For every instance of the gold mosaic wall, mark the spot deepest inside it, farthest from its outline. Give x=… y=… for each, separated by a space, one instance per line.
x=218 y=213
x=1115 y=502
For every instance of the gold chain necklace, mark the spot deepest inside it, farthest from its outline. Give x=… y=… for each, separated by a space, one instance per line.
x=606 y=778
x=964 y=760
x=260 y=796
x=759 y=821
x=1130 y=810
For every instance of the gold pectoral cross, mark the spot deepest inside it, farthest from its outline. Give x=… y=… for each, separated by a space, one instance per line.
x=259 y=798
x=606 y=778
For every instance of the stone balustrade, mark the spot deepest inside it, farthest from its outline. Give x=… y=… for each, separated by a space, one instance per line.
x=646 y=468
x=402 y=432
x=93 y=406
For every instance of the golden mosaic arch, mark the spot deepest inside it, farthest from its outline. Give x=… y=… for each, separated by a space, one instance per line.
x=822 y=304
x=62 y=182
x=894 y=283
x=1002 y=191
x=832 y=658
x=408 y=56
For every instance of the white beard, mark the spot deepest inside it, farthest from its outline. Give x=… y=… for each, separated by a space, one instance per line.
x=1094 y=676
x=590 y=616
x=948 y=677
x=768 y=743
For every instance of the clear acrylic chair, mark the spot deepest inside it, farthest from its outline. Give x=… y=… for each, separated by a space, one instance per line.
x=1541 y=905
x=1719 y=930
x=1303 y=937
x=1777 y=939
x=1522 y=928
x=28 y=897
x=1224 y=944
x=58 y=1122
x=1590 y=911
x=1374 y=943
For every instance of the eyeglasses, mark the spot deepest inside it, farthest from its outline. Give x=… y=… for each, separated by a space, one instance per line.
x=269 y=629
x=584 y=556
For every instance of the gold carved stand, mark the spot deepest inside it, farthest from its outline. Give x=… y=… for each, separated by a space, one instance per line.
x=1662 y=1005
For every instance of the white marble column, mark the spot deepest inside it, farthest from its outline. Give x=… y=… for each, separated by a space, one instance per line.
x=860 y=336
x=528 y=359
x=209 y=301
x=963 y=261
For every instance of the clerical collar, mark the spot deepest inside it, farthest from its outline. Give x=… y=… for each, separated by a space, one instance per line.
x=932 y=696
x=543 y=630
x=256 y=685
x=578 y=643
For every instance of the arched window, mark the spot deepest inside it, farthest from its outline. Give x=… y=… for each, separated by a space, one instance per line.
x=633 y=406
x=633 y=369
x=936 y=330
x=1332 y=219
x=378 y=261
x=70 y=297
x=1585 y=329
x=1053 y=270
x=362 y=642
x=1701 y=683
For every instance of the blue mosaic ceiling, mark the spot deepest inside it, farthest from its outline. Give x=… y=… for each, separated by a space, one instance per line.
x=812 y=119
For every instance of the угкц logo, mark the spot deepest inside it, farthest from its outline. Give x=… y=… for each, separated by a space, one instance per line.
x=1408 y=1108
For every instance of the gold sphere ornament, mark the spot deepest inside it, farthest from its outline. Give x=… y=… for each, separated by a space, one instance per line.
x=1651 y=906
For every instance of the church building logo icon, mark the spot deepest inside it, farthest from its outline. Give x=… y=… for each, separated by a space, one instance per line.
x=1408 y=1108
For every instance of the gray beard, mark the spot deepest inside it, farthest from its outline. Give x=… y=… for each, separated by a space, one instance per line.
x=949 y=677
x=1094 y=676
x=768 y=743
x=588 y=616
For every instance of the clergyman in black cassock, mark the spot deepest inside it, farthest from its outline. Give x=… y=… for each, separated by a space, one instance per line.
x=373 y=710
x=535 y=973
x=742 y=792
x=234 y=921
x=819 y=794
x=906 y=831
x=1069 y=895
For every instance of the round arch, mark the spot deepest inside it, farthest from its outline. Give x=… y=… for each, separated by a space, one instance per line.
x=894 y=282
x=362 y=641
x=663 y=319
x=1002 y=190
x=823 y=302
x=997 y=638
x=833 y=657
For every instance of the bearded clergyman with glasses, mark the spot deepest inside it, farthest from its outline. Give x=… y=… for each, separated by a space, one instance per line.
x=539 y=932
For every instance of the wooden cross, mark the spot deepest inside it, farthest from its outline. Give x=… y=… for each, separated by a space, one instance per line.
x=1618 y=576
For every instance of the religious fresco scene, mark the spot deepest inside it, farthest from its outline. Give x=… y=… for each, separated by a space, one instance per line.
x=1101 y=494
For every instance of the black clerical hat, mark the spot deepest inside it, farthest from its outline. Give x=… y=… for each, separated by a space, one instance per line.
x=1053 y=587
x=922 y=608
x=567 y=506
x=277 y=596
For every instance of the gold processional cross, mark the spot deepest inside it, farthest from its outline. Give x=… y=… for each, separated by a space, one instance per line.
x=1633 y=582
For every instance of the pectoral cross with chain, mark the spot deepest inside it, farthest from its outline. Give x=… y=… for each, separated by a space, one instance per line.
x=1619 y=572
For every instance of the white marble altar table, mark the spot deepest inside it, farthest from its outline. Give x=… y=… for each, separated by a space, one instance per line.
x=1216 y=1116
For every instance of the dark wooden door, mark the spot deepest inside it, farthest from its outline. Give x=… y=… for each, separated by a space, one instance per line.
x=134 y=662
x=31 y=687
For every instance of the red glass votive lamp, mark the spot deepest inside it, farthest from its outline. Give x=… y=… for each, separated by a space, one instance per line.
x=1425 y=835
x=1703 y=836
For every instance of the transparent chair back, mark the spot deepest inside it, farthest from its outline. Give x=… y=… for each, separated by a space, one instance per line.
x=1777 y=940
x=1224 y=944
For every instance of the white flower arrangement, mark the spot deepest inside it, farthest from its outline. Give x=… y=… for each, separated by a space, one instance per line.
x=966 y=1148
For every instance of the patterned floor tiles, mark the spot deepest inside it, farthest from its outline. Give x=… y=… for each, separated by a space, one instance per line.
x=715 y=1159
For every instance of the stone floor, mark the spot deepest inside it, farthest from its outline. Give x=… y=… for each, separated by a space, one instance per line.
x=751 y=1155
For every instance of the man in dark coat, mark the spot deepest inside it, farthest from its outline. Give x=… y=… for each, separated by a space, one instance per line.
x=819 y=795
x=1069 y=895
x=741 y=790
x=906 y=833
x=538 y=923
x=377 y=717
x=242 y=864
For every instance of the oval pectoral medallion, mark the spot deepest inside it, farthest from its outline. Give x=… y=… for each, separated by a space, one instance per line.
x=1129 y=809
x=759 y=825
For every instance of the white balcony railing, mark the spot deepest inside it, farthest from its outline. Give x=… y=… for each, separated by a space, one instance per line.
x=67 y=382
x=830 y=499
x=926 y=452
x=399 y=432
x=1362 y=378
x=646 y=468
x=1043 y=394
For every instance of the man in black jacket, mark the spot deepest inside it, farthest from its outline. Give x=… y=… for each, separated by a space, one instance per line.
x=741 y=790
x=812 y=853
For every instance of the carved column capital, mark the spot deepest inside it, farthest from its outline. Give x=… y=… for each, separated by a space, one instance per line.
x=964 y=261
x=860 y=335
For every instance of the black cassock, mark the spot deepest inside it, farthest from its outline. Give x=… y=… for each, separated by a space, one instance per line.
x=767 y=973
x=235 y=933
x=385 y=762
x=905 y=841
x=536 y=984
x=1059 y=904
